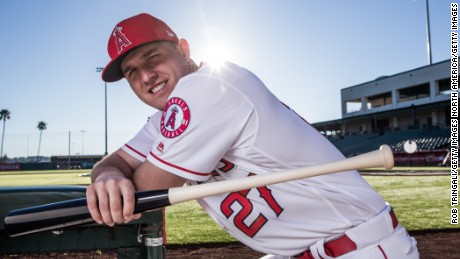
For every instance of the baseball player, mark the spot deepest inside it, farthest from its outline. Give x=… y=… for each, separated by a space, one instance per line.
x=217 y=124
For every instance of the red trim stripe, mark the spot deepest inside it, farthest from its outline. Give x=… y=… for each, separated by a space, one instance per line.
x=178 y=167
x=383 y=252
x=137 y=152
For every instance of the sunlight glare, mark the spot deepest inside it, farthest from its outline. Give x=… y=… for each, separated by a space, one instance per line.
x=216 y=54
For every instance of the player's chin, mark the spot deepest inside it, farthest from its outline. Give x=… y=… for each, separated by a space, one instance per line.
x=157 y=103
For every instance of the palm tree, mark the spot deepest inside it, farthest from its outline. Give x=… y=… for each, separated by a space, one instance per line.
x=41 y=127
x=4 y=115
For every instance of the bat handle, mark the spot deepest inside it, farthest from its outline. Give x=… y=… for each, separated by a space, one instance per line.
x=151 y=200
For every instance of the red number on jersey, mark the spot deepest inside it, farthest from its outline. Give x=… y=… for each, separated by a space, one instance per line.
x=247 y=208
x=241 y=215
x=246 y=205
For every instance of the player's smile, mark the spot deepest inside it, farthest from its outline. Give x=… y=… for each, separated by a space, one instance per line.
x=156 y=93
x=157 y=88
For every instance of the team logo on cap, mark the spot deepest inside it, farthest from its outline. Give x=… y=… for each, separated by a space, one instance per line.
x=175 y=118
x=120 y=39
x=170 y=34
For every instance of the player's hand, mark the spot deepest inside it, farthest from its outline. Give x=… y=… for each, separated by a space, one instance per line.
x=111 y=199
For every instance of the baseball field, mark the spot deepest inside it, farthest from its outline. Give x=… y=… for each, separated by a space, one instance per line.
x=421 y=201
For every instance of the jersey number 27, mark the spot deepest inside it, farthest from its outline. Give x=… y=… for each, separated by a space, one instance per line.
x=247 y=207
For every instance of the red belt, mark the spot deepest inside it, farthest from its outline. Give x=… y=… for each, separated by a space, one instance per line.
x=341 y=245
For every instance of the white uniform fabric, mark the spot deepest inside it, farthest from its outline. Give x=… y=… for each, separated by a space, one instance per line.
x=223 y=124
x=375 y=238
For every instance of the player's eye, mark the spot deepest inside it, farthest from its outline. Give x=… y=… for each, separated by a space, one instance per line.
x=152 y=61
x=153 y=57
x=130 y=73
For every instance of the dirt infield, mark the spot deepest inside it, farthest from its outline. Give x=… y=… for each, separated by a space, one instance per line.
x=431 y=244
x=443 y=244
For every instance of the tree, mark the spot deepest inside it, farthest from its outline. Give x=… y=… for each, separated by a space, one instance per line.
x=4 y=115
x=41 y=127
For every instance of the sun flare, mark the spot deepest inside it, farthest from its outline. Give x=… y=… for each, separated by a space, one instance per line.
x=215 y=54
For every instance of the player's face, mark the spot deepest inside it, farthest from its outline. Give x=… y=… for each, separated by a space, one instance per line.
x=154 y=69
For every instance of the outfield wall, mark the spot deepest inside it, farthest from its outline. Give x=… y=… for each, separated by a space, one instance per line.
x=10 y=166
x=27 y=166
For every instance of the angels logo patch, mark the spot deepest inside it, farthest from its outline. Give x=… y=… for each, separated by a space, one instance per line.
x=175 y=118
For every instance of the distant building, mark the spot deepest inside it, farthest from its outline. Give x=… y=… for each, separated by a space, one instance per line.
x=408 y=107
x=38 y=159
x=29 y=159
x=415 y=99
x=50 y=163
x=76 y=162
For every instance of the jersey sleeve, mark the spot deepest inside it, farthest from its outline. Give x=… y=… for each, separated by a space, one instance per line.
x=200 y=123
x=139 y=146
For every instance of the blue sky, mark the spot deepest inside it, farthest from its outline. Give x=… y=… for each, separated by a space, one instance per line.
x=304 y=50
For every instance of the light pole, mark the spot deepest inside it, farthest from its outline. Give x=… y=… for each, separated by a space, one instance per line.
x=82 y=142
x=99 y=70
x=68 y=166
x=428 y=35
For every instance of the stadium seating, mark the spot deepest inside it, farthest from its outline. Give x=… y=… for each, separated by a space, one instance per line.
x=426 y=140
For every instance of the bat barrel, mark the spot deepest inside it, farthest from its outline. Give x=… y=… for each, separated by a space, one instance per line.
x=378 y=158
x=387 y=157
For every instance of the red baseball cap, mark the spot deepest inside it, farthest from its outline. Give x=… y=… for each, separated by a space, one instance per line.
x=130 y=34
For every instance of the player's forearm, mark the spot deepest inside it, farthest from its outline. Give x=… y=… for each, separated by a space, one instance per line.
x=112 y=165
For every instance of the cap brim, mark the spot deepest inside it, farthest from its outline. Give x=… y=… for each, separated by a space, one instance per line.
x=112 y=71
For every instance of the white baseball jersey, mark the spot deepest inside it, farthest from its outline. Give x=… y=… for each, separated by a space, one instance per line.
x=222 y=124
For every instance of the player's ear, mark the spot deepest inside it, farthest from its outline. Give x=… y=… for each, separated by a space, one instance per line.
x=184 y=47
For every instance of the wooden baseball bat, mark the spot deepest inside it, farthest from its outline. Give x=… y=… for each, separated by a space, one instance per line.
x=75 y=212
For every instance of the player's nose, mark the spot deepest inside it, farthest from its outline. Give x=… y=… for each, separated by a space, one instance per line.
x=148 y=77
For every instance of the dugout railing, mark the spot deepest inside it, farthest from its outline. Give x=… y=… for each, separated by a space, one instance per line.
x=142 y=238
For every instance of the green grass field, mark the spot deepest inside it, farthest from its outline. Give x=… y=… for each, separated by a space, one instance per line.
x=421 y=203
x=52 y=177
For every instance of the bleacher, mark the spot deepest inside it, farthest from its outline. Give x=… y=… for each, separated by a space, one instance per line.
x=343 y=142
x=426 y=140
